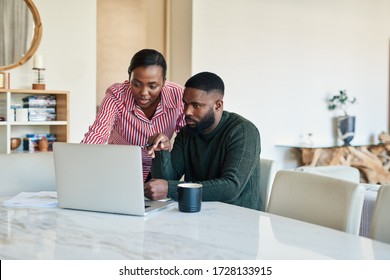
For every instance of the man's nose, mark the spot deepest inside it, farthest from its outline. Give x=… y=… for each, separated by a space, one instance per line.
x=187 y=111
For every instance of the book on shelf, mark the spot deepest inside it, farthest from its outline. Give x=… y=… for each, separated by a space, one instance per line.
x=31 y=141
x=39 y=101
x=40 y=107
x=41 y=114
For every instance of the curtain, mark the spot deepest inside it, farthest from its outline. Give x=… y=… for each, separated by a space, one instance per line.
x=16 y=30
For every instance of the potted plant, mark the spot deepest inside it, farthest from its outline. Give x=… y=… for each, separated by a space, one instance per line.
x=345 y=124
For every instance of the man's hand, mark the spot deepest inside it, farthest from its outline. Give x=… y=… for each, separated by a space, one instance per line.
x=156 y=189
x=158 y=142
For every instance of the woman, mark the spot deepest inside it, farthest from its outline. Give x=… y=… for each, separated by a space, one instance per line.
x=135 y=110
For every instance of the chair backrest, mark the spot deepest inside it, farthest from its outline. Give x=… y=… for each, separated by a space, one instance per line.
x=26 y=172
x=317 y=199
x=380 y=224
x=342 y=172
x=267 y=174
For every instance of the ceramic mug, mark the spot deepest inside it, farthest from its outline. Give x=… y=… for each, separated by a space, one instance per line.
x=189 y=197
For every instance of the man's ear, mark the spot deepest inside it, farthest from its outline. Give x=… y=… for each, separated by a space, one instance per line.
x=219 y=105
x=163 y=84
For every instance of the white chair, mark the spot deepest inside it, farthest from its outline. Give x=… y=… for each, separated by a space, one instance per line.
x=317 y=199
x=343 y=172
x=352 y=174
x=380 y=225
x=267 y=174
x=26 y=172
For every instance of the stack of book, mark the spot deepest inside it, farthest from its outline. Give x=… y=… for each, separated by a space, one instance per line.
x=31 y=141
x=40 y=107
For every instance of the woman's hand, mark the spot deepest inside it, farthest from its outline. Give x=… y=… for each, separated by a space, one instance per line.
x=158 y=142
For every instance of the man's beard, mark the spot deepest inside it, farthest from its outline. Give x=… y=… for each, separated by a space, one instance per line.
x=203 y=124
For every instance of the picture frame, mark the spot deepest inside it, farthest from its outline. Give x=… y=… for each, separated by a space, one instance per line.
x=3 y=80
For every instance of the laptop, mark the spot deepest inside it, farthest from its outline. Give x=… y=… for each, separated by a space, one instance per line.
x=102 y=178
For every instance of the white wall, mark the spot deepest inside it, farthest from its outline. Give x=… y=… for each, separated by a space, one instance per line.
x=69 y=48
x=280 y=60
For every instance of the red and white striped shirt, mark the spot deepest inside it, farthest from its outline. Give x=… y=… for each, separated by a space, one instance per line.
x=121 y=121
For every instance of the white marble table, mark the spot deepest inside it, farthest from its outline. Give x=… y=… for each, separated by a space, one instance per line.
x=219 y=231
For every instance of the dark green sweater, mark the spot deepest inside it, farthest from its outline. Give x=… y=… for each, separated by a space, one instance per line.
x=226 y=161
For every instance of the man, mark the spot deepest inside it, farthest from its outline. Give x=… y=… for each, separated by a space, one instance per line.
x=218 y=149
x=135 y=110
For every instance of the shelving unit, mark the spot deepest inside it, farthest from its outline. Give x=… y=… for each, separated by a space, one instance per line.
x=10 y=128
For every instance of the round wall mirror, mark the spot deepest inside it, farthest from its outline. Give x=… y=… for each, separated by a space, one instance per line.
x=22 y=34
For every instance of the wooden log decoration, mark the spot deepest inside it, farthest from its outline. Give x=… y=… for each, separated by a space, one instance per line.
x=373 y=161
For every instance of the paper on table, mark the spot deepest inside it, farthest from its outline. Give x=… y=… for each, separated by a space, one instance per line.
x=33 y=199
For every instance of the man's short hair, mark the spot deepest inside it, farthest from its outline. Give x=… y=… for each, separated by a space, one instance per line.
x=206 y=81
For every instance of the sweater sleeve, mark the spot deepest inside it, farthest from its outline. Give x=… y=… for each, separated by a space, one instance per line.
x=170 y=166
